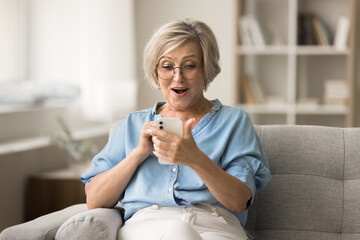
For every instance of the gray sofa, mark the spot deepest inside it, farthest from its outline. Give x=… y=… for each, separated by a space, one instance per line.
x=314 y=193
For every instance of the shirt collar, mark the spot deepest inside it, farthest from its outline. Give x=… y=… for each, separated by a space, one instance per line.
x=215 y=108
x=217 y=105
x=153 y=111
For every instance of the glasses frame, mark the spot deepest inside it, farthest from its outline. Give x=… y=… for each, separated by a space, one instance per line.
x=179 y=67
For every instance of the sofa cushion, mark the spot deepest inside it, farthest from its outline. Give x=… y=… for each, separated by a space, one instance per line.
x=351 y=219
x=100 y=223
x=315 y=189
x=44 y=227
x=304 y=150
x=306 y=203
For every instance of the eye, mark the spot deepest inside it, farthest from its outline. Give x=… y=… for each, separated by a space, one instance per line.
x=167 y=67
x=189 y=66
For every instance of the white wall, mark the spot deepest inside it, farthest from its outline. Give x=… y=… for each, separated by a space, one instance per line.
x=89 y=44
x=357 y=69
x=219 y=15
x=109 y=83
x=11 y=40
x=54 y=40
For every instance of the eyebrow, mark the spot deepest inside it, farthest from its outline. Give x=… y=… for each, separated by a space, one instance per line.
x=186 y=57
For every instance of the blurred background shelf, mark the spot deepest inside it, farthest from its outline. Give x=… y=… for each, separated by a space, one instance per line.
x=284 y=50
x=321 y=50
x=271 y=50
x=264 y=108
x=300 y=52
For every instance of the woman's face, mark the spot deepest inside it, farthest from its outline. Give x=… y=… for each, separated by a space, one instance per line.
x=184 y=90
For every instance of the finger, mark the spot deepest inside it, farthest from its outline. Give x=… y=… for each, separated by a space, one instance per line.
x=187 y=127
x=161 y=154
x=156 y=148
x=163 y=135
x=148 y=128
x=158 y=155
x=151 y=130
x=161 y=144
x=149 y=125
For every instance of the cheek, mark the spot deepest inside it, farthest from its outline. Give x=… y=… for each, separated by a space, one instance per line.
x=200 y=85
x=202 y=80
x=164 y=89
x=162 y=85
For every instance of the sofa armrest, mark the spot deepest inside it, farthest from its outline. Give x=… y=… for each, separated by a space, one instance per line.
x=44 y=227
x=99 y=223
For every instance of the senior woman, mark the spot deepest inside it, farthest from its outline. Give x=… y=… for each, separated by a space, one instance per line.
x=216 y=166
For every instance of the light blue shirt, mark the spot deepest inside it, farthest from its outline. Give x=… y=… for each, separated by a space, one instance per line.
x=226 y=136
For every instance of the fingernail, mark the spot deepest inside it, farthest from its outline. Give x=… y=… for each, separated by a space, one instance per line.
x=149 y=130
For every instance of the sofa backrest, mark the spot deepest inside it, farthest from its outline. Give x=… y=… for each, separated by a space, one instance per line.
x=315 y=189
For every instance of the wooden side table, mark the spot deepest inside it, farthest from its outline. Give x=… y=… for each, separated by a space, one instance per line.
x=52 y=191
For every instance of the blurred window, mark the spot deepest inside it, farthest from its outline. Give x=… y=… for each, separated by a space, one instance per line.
x=12 y=40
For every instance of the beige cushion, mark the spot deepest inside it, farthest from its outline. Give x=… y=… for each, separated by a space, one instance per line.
x=100 y=223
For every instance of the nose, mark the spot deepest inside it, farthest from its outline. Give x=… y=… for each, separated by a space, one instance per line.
x=177 y=74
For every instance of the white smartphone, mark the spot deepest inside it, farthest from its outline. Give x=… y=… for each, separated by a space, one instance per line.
x=170 y=125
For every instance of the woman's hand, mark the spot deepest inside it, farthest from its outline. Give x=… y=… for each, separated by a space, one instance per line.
x=184 y=151
x=174 y=149
x=145 y=146
x=105 y=189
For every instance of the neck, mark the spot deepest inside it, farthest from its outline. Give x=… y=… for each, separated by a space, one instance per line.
x=197 y=111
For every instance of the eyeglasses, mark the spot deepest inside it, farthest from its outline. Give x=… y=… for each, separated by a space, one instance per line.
x=167 y=71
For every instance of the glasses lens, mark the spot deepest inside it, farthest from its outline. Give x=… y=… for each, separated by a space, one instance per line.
x=165 y=71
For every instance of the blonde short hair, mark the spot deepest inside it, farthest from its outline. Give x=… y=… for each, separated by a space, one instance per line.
x=173 y=35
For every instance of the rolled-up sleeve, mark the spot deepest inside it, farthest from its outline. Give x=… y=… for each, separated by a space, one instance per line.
x=245 y=158
x=108 y=157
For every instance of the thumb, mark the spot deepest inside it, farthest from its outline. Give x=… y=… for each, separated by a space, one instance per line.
x=187 y=130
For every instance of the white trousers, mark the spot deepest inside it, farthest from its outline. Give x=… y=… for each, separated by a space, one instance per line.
x=198 y=222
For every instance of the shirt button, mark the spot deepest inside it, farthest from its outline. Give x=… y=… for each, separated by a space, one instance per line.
x=170 y=189
x=174 y=169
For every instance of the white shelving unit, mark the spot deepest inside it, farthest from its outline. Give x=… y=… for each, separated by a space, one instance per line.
x=291 y=76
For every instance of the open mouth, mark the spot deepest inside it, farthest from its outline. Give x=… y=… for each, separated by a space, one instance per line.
x=180 y=91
